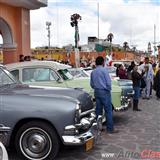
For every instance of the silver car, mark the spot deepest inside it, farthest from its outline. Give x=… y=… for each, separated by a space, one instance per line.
x=41 y=118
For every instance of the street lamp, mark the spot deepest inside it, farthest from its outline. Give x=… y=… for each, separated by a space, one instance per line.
x=149 y=49
x=74 y=23
x=48 y=24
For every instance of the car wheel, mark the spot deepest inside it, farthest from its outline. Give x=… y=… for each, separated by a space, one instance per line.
x=37 y=140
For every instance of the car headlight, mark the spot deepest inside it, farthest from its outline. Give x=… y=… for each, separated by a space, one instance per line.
x=85 y=123
x=78 y=113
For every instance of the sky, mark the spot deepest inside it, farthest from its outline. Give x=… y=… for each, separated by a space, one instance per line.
x=129 y=20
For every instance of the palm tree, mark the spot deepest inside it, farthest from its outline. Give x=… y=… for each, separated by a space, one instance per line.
x=109 y=38
x=125 y=46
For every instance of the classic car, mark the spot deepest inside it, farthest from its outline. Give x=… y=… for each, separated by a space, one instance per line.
x=3 y=152
x=125 y=84
x=42 y=118
x=50 y=73
x=3 y=133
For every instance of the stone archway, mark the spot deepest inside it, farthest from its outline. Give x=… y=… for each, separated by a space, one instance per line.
x=7 y=39
x=15 y=27
x=6 y=33
x=1 y=52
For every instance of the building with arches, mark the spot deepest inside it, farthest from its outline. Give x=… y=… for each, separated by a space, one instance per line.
x=15 y=27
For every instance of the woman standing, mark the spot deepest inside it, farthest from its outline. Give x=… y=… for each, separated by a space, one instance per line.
x=122 y=72
x=136 y=78
x=157 y=82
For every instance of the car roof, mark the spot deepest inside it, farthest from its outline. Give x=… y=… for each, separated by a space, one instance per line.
x=52 y=64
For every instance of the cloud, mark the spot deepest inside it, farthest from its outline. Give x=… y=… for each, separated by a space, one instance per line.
x=131 y=21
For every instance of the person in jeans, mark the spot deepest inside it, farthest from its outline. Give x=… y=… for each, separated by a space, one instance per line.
x=136 y=78
x=157 y=83
x=101 y=83
x=148 y=77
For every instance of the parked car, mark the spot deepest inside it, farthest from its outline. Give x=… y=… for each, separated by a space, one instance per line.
x=3 y=134
x=125 y=84
x=41 y=118
x=78 y=72
x=46 y=73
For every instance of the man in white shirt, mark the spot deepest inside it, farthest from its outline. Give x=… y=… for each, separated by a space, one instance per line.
x=148 y=77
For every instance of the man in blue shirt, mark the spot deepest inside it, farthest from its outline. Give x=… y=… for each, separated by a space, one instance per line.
x=101 y=83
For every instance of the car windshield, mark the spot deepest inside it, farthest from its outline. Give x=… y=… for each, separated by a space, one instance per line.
x=111 y=69
x=6 y=78
x=65 y=74
x=78 y=72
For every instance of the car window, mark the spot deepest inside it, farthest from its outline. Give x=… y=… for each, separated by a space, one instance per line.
x=38 y=74
x=111 y=69
x=65 y=74
x=4 y=78
x=15 y=73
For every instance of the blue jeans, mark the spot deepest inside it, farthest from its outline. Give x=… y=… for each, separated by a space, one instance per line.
x=136 y=93
x=103 y=100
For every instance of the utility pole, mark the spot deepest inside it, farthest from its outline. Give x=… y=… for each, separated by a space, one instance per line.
x=48 y=24
x=98 y=19
x=154 y=43
x=149 y=49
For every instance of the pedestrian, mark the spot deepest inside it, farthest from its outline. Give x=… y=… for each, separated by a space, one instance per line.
x=155 y=70
x=122 y=72
x=21 y=58
x=157 y=82
x=148 y=77
x=136 y=78
x=101 y=83
x=130 y=69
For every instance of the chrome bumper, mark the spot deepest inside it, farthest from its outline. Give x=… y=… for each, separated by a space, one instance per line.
x=73 y=135
x=125 y=104
x=82 y=138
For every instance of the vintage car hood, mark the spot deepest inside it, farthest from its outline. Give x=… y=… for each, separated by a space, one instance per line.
x=84 y=82
x=68 y=93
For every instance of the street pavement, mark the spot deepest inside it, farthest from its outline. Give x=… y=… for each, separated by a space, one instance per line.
x=138 y=137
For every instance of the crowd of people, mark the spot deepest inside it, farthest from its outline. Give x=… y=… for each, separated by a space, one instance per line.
x=145 y=77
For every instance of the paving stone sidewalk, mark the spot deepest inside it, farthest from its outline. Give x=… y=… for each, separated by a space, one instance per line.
x=139 y=133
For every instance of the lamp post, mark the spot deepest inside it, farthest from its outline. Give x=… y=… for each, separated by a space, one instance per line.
x=48 y=24
x=125 y=46
x=74 y=23
x=149 y=49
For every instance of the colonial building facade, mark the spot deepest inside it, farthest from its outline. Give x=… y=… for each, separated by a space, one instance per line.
x=15 y=27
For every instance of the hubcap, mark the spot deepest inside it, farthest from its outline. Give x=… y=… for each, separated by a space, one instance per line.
x=35 y=143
